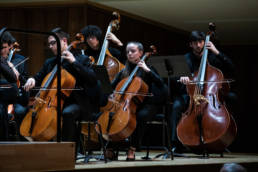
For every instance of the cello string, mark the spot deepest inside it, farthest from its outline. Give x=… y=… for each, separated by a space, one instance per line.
x=21 y=62
x=132 y=93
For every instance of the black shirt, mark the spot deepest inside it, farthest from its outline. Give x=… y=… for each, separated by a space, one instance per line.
x=6 y=71
x=114 y=52
x=7 y=76
x=152 y=79
x=220 y=61
x=85 y=79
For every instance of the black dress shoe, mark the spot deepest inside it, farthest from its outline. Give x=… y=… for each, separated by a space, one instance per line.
x=110 y=154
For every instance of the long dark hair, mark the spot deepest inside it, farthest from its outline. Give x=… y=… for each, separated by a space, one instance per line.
x=128 y=68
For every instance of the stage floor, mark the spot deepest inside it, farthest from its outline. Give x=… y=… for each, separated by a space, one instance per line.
x=189 y=162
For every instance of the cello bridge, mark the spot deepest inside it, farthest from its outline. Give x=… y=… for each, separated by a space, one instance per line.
x=198 y=99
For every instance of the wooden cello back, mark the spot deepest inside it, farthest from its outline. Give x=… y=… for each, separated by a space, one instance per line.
x=112 y=64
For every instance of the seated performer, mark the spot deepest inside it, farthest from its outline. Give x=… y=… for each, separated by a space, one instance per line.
x=92 y=35
x=8 y=92
x=150 y=105
x=19 y=108
x=81 y=104
x=181 y=99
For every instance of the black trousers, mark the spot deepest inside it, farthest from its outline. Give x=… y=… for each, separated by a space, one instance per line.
x=71 y=115
x=3 y=122
x=145 y=112
x=7 y=96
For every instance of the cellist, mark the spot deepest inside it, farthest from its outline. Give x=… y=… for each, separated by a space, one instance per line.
x=8 y=93
x=93 y=36
x=150 y=106
x=20 y=106
x=215 y=58
x=78 y=105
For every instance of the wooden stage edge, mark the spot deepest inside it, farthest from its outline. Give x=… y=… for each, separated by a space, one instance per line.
x=53 y=156
x=191 y=162
x=37 y=156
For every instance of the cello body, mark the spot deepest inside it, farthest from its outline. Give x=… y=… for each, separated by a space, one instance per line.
x=40 y=123
x=113 y=65
x=118 y=120
x=218 y=128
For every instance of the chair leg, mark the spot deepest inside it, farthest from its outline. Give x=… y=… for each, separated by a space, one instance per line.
x=148 y=147
x=169 y=141
x=104 y=147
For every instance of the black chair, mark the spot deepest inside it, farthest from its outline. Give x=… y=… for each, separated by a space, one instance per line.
x=160 y=119
x=91 y=141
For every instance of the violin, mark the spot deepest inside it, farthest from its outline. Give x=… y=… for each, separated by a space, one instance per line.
x=112 y=64
x=118 y=120
x=207 y=126
x=40 y=123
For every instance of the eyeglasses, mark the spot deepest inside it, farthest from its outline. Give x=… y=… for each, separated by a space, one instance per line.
x=51 y=43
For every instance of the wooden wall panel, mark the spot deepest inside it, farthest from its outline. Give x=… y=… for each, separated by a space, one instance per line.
x=72 y=18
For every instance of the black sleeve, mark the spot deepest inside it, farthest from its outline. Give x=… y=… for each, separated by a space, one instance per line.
x=7 y=71
x=43 y=71
x=116 y=80
x=22 y=68
x=222 y=62
x=84 y=70
x=155 y=77
x=227 y=62
x=118 y=54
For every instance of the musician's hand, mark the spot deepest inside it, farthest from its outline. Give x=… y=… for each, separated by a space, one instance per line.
x=114 y=39
x=212 y=47
x=184 y=79
x=68 y=56
x=29 y=84
x=143 y=65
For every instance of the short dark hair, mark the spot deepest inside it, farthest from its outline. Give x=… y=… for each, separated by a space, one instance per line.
x=60 y=33
x=7 y=38
x=92 y=30
x=196 y=36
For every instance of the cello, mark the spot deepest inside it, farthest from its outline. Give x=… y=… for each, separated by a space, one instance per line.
x=118 y=120
x=105 y=58
x=207 y=126
x=40 y=123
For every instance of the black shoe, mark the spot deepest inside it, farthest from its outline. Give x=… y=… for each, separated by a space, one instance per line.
x=110 y=154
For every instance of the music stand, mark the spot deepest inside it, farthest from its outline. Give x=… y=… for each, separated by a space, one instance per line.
x=178 y=63
x=175 y=66
x=102 y=76
x=106 y=88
